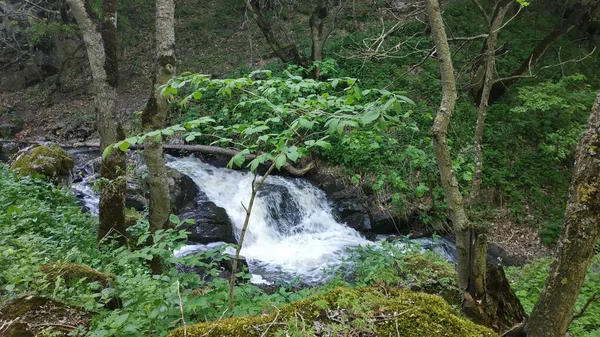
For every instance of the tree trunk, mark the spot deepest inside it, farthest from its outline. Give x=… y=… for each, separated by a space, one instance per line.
x=101 y=44
x=482 y=306
x=154 y=117
x=155 y=113
x=575 y=19
x=319 y=35
x=553 y=311
x=489 y=67
x=288 y=53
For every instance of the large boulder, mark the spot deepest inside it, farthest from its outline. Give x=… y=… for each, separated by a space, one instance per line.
x=182 y=189
x=32 y=316
x=356 y=312
x=211 y=222
x=51 y=162
x=347 y=204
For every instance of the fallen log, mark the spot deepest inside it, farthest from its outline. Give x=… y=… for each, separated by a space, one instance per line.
x=207 y=149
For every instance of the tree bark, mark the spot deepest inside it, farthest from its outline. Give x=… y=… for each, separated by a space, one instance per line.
x=489 y=66
x=471 y=241
x=154 y=117
x=553 y=311
x=319 y=34
x=101 y=43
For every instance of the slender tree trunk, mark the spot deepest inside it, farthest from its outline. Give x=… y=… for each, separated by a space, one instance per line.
x=236 y=258
x=553 y=311
x=101 y=44
x=489 y=70
x=471 y=240
x=288 y=53
x=154 y=117
x=319 y=33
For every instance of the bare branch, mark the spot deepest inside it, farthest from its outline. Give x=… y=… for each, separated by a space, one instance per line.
x=590 y=300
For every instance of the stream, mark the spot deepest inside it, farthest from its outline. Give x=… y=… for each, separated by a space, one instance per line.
x=293 y=232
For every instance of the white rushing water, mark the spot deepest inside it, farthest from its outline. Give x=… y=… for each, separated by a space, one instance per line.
x=292 y=231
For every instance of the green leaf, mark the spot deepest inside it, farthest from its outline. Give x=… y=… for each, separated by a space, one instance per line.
x=123 y=145
x=174 y=219
x=106 y=151
x=254 y=164
x=306 y=123
x=388 y=104
x=370 y=117
x=168 y=132
x=334 y=83
x=197 y=95
x=239 y=159
x=323 y=144
x=280 y=161
x=190 y=138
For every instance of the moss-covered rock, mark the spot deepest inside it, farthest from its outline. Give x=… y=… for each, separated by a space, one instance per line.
x=349 y=312
x=30 y=315
x=50 y=162
x=73 y=272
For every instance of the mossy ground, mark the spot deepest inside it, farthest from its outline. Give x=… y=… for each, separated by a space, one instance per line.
x=33 y=316
x=50 y=162
x=349 y=312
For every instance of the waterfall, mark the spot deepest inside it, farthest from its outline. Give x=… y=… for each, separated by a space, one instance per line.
x=292 y=231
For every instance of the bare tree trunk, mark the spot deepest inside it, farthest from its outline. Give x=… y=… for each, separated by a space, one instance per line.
x=489 y=69
x=319 y=34
x=553 y=311
x=101 y=44
x=288 y=53
x=154 y=118
x=471 y=241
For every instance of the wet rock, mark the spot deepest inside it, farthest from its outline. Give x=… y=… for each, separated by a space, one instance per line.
x=28 y=316
x=182 y=189
x=136 y=195
x=51 y=162
x=348 y=206
x=211 y=222
x=283 y=208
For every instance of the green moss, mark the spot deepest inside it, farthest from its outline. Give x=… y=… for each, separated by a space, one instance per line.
x=50 y=162
x=356 y=312
x=73 y=272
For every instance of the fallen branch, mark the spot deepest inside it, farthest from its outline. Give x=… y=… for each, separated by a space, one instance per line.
x=214 y=150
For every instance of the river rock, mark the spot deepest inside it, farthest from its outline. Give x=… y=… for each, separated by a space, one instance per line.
x=282 y=206
x=212 y=224
x=51 y=162
x=348 y=206
x=182 y=190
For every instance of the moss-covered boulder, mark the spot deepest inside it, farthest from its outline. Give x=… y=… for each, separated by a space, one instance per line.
x=32 y=316
x=73 y=272
x=349 y=312
x=50 y=162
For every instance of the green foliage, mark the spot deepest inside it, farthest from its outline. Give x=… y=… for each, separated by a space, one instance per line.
x=402 y=264
x=528 y=281
x=277 y=119
x=41 y=32
x=531 y=145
